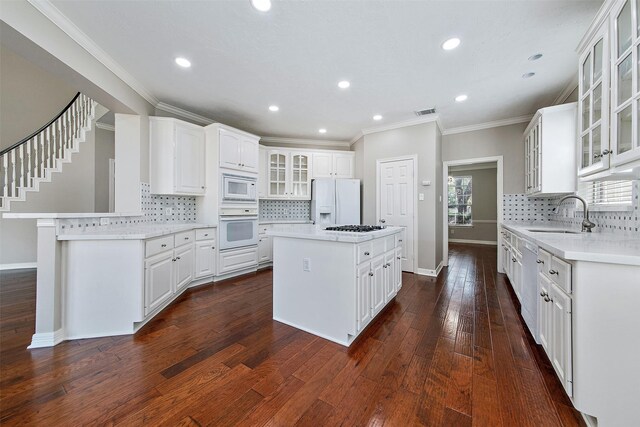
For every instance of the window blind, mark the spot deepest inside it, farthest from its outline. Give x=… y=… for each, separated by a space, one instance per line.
x=604 y=193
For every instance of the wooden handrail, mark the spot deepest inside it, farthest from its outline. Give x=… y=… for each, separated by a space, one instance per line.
x=24 y=140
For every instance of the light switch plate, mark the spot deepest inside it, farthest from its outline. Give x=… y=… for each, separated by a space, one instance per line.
x=306 y=264
x=421 y=196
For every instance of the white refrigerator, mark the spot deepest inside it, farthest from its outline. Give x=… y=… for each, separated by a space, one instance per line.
x=335 y=201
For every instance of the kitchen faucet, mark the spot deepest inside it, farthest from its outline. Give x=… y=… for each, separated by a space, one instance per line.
x=586 y=224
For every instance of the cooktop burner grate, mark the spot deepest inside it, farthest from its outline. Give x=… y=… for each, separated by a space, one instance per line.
x=355 y=228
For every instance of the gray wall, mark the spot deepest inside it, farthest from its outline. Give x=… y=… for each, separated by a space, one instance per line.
x=358 y=148
x=424 y=141
x=484 y=206
x=105 y=150
x=30 y=98
x=505 y=141
x=73 y=190
x=573 y=96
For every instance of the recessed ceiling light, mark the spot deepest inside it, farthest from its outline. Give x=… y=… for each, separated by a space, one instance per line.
x=535 y=57
x=461 y=98
x=528 y=75
x=273 y=108
x=344 y=84
x=183 y=62
x=451 y=43
x=323 y=130
x=377 y=117
x=261 y=5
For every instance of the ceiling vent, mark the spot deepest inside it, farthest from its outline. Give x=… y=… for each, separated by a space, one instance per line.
x=425 y=112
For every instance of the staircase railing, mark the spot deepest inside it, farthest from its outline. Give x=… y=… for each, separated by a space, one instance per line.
x=31 y=158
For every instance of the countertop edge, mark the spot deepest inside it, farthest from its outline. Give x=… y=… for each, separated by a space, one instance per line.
x=137 y=236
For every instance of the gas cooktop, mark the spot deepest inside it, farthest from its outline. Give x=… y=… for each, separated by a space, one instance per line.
x=355 y=228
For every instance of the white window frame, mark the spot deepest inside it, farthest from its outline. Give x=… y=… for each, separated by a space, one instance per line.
x=470 y=225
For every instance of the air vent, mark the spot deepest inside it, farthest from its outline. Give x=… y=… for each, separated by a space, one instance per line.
x=425 y=112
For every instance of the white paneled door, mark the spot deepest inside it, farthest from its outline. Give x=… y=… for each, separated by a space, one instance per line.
x=396 y=197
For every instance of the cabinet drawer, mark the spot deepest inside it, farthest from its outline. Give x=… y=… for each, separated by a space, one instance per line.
x=363 y=253
x=237 y=259
x=560 y=273
x=184 y=238
x=206 y=234
x=544 y=263
x=262 y=229
x=157 y=245
x=389 y=243
x=398 y=240
x=378 y=247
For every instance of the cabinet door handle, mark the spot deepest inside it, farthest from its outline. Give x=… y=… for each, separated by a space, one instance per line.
x=398 y=257
x=202 y=187
x=513 y=259
x=400 y=240
x=207 y=234
x=371 y=273
x=164 y=245
x=186 y=238
x=213 y=247
x=539 y=261
x=606 y=152
x=173 y=259
x=553 y=272
x=177 y=257
x=542 y=294
x=547 y=299
x=366 y=253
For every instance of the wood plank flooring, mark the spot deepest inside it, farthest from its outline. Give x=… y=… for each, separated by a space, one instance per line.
x=450 y=351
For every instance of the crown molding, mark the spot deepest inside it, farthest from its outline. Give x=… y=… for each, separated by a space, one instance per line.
x=405 y=123
x=76 y=34
x=600 y=17
x=184 y=114
x=356 y=138
x=568 y=89
x=105 y=126
x=300 y=141
x=489 y=125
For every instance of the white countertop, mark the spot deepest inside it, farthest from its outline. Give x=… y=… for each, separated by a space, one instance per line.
x=130 y=232
x=284 y=221
x=316 y=232
x=53 y=215
x=593 y=247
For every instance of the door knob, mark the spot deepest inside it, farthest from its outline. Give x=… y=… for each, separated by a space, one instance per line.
x=371 y=273
x=553 y=272
x=539 y=261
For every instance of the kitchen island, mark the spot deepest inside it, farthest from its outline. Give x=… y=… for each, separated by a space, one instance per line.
x=333 y=284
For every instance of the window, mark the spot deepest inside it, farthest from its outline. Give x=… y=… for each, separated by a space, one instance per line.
x=459 y=195
x=607 y=194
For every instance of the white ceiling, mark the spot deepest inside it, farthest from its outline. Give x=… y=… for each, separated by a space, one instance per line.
x=294 y=56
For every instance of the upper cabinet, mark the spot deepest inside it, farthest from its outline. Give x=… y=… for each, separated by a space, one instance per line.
x=238 y=151
x=625 y=89
x=333 y=164
x=549 y=151
x=177 y=157
x=289 y=174
x=609 y=91
x=593 y=107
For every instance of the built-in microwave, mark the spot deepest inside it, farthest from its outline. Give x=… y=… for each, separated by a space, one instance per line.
x=237 y=188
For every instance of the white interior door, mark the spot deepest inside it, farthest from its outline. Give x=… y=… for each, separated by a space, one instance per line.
x=397 y=203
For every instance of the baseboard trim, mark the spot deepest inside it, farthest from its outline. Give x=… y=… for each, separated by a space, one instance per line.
x=18 y=266
x=474 y=242
x=311 y=331
x=431 y=273
x=47 y=339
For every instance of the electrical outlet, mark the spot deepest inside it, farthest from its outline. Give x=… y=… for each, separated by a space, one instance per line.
x=104 y=221
x=306 y=264
x=168 y=211
x=421 y=196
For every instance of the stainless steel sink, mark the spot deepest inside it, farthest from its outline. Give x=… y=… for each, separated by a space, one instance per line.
x=555 y=231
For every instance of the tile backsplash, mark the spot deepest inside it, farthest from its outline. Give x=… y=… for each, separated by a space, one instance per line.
x=154 y=206
x=282 y=210
x=520 y=208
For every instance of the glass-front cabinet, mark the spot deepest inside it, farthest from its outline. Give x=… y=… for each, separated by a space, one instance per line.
x=625 y=86
x=593 y=105
x=289 y=175
x=532 y=159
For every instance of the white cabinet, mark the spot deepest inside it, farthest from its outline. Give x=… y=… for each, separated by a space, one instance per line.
x=184 y=264
x=158 y=283
x=550 y=157
x=177 y=157
x=390 y=286
x=333 y=165
x=205 y=259
x=237 y=259
x=594 y=154
x=377 y=285
x=398 y=268
x=625 y=82
x=265 y=249
x=263 y=177
x=238 y=151
x=363 y=295
x=288 y=174
x=555 y=317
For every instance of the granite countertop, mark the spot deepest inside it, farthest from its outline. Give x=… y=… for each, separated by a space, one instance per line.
x=53 y=215
x=130 y=232
x=593 y=247
x=314 y=232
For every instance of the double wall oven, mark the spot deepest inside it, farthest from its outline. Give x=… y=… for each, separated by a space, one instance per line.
x=238 y=227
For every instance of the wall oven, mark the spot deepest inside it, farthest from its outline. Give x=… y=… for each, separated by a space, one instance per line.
x=238 y=228
x=236 y=188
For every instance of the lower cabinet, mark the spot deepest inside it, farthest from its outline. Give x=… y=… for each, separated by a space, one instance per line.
x=363 y=295
x=554 y=323
x=390 y=289
x=237 y=259
x=265 y=249
x=205 y=259
x=158 y=283
x=377 y=284
x=398 y=268
x=183 y=267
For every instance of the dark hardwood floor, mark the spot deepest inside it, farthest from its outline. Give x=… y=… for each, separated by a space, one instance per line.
x=450 y=351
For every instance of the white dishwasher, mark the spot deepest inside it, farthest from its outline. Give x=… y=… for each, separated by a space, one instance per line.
x=530 y=287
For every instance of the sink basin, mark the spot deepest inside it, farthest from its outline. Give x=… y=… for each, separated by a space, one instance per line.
x=555 y=231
